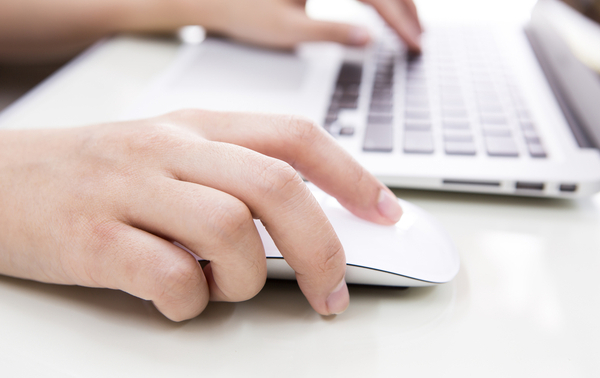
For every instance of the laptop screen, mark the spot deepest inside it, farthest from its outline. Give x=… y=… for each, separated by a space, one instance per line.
x=565 y=40
x=589 y=8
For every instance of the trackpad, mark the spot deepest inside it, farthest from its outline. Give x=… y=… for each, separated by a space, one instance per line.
x=229 y=66
x=228 y=76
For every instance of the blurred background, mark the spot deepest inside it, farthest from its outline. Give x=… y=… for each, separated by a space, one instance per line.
x=16 y=80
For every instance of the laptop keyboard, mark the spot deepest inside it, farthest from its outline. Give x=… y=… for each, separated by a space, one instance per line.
x=457 y=98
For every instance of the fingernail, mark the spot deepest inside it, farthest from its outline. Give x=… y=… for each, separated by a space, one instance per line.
x=388 y=206
x=358 y=36
x=339 y=299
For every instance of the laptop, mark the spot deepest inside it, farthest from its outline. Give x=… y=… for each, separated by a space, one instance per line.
x=504 y=110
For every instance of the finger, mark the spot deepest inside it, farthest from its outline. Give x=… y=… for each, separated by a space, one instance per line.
x=150 y=268
x=412 y=8
x=306 y=29
x=277 y=196
x=397 y=16
x=307 y=148
x=212 y=224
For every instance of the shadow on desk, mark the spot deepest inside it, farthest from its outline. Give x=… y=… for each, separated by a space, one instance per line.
x=279 y=302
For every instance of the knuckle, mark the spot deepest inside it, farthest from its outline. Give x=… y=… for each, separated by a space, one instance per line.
x=188 y=115
x=248 y=291
x=257 y=276
x=156 y=137
x=332 y=259
x=177 y=279
x=177 y=295
x=93 y=260
x=103 y=234
x=229 y=217
x=300 y=132
x=277 y=178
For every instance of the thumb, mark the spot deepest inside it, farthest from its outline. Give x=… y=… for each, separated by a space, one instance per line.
x=313 y=30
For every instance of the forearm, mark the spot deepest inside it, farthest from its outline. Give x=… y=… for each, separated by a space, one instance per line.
x=35 y=30
x=32 y=30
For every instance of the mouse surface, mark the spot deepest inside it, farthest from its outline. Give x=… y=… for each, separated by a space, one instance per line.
x=416 y=251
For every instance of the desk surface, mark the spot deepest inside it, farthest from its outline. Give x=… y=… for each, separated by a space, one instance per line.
x=525 y=302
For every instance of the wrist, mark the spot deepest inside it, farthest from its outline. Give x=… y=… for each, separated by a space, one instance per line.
x=169 y=15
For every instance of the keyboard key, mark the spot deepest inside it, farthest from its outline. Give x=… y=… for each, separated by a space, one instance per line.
x=450 y=101
x=527 y=125
x=381 y=107
x=416 y=90
x=347 y=131
x=382 y=85
x=352 y=90
x=384 y=76
x=349 y=104
x=416 y=75
x=488 y=98
x=419 y=142
x=531 y=136
x=501 y=146
x=536 y=150
x=380 y=118
x=379 y=137
x=494 y=108
x=417 y=114
x=417 y=125
x=347 y=97
x=454 y=112
x=456 y=124
x=331 y=118
x=459 y=148
x=458 y=136
x=350 y=73
x=489 y=119
x=382 y=102
x=416 y=78
x=417 y=102
x=338 y=92
x=450 y=90
x=496 y=131
x=381 y=94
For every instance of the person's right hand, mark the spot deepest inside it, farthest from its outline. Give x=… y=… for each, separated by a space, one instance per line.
x=34 y=30
x=284 y=23
x=101 y=206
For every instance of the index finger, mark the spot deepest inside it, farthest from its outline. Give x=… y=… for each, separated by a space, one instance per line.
x=402 y=16
x=274 y=193
x=310 y=150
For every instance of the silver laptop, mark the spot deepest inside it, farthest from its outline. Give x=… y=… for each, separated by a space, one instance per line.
x=497 y=110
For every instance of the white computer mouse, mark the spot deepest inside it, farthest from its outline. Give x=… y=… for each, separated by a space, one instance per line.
x=417 y=251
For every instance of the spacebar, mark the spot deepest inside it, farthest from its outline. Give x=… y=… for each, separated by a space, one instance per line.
x=379 y=137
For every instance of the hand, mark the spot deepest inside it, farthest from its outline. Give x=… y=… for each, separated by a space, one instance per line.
x=100 y=206
x=35 y=30
x=402 y=16
x=284 y=23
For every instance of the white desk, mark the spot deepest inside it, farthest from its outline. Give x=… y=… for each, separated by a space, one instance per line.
x=526 y=302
